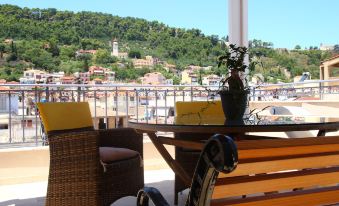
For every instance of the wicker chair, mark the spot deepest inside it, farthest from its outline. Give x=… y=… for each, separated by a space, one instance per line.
x=89 y=167
x=188 y=158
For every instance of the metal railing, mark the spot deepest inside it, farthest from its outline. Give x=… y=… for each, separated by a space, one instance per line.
x=115 y=104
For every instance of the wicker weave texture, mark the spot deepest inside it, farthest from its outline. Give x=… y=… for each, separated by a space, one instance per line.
x=74 y=174
x=77 y=176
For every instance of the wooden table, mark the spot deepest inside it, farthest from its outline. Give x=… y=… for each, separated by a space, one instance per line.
x=276 y=123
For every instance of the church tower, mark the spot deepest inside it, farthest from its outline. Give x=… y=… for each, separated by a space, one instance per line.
x=115 y=49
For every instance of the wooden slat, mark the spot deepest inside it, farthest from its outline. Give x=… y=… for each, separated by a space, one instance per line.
x=228 y=187
x=275 y=152
x=293 y=142
x=313 y=197
x=281 y=165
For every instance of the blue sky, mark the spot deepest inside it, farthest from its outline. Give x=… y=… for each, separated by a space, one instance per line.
x=286 y=23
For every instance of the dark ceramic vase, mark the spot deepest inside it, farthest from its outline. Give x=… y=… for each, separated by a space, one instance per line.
x=234 y=106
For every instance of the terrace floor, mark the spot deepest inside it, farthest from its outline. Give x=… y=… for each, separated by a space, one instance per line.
x=157 y=174
x=33 y=194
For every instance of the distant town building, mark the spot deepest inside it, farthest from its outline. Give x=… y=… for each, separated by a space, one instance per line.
x=9 y=103
x=97 y=71
x=110 y=76
x=155 y=78
x=67 y=80
x=101 y=71
x=324 y=47
x=140 y=63
x=8 y=41
x=84 y=77
x=3 y=81
x=55 y=78
x=194 y=68
x=97 y=81
x=115 y=48
x=208 y=68
x=122 y=55
x=170 y=67
x=329 y=69
x=33 y=76
x=211 y=80
x=189 y=76
x=305 y=76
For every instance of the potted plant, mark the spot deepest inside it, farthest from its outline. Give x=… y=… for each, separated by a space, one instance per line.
x=232 y=91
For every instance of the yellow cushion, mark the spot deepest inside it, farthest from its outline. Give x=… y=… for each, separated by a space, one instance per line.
x=199 y=112
x=65 y=115
x=204 y=108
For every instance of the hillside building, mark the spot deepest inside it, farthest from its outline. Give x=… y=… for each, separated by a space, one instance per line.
x=155 y=78
x=189 y=76
x=211 y=80
x=329 y=69
x=140 y=63
x=33 y=76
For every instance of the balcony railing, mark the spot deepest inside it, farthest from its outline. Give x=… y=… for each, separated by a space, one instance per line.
x=115 y=104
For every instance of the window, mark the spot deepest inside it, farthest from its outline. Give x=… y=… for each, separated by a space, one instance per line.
x=3 y=102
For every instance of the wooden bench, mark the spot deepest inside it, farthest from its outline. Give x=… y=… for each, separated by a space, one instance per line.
x=302 y=171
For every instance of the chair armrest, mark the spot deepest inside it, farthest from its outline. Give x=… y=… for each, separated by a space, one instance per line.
x=121 y=137
x=150 y=193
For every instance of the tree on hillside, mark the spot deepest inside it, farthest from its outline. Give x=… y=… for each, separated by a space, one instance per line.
x=102 y=56
x=336 y=48
x=67 y=52
x=297 y=47
x=85 y=58
x=134 y=54
x=2 y=50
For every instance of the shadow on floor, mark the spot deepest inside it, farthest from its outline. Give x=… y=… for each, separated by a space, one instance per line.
x=165 y=187
x=37 y=201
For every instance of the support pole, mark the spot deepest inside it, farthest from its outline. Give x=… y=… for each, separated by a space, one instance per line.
x=238 y=22
x=238 y=25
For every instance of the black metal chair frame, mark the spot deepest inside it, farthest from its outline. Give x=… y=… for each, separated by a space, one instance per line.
x=219 y=155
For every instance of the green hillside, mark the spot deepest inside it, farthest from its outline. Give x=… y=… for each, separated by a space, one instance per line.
x=48 y=39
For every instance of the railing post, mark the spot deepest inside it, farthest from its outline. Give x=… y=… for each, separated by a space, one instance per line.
x=95 y=104
x=23 y=115
x=253 y=94
x=146 y=105
x=174 y=97
x=166 y=115
x=156 y=106
x=36 y=115
x=191 y=93
x=320 y=91
x=116 y=107
x=9 y=117
x=137 y=103
x=106 y=118
x=127 y=99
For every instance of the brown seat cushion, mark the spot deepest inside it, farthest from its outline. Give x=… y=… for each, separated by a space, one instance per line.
x=113 y=154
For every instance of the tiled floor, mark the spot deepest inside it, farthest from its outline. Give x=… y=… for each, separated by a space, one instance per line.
x=33 y=194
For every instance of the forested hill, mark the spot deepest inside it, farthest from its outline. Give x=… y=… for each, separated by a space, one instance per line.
x=69 y=28
x=48 y=39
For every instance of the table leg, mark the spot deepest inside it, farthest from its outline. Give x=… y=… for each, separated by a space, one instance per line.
x=177 y=169
x=321 y=133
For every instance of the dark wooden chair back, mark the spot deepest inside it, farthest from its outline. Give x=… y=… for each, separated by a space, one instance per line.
x=219 y=155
